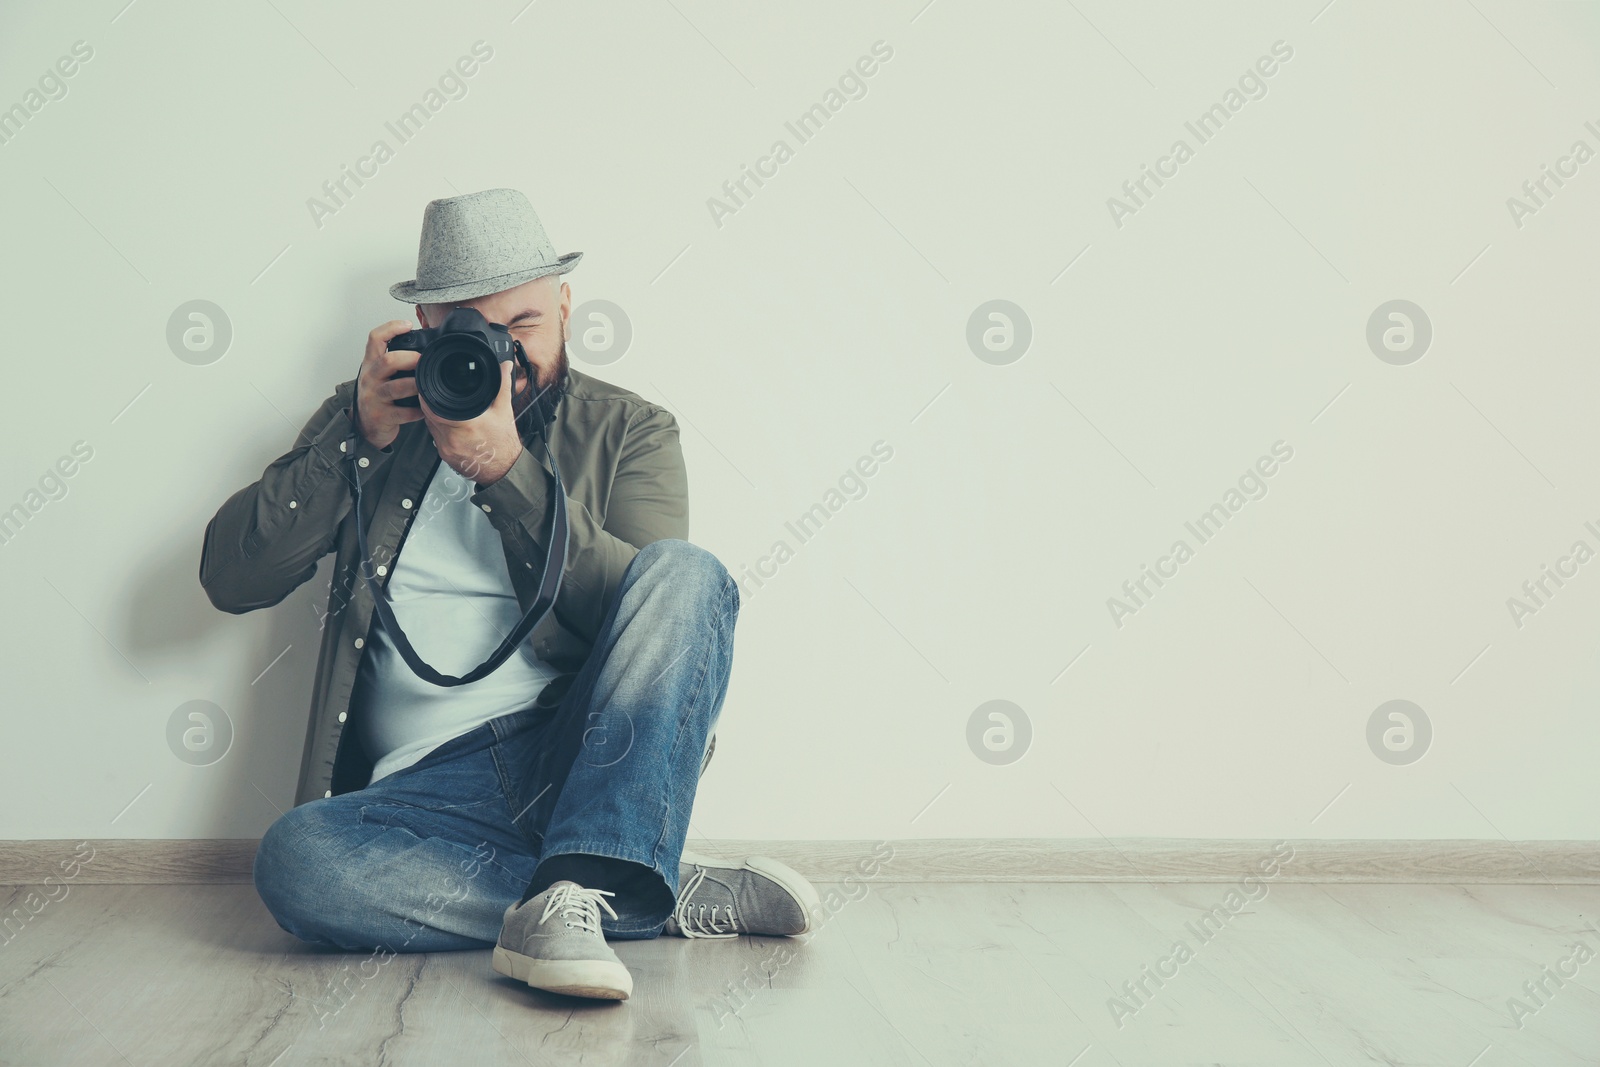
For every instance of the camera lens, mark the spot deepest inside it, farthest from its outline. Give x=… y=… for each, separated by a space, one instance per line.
x=459 y=377
x=459 y=373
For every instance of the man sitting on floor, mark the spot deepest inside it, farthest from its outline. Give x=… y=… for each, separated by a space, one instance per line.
x=542 y=807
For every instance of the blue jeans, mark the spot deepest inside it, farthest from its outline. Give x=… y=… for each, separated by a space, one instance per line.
x=428 y=858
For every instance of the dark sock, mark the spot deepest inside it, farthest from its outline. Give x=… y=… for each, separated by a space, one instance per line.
x=592 y=872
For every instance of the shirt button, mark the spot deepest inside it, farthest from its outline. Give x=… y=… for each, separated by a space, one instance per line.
x=292 y=504
x=329 y=793
x=342 y=716
x=484 y=506
x=382 y=570
x=406 y=503
x=362 y=462
x=343 y=446
x=359 y=642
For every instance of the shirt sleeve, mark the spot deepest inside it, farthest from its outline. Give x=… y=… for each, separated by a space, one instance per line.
x=649 y=501
x=266 y=539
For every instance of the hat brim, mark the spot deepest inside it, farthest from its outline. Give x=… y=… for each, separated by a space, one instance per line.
x=409 y=292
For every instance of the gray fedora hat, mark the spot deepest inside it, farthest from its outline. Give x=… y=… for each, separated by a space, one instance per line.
x=478 y=244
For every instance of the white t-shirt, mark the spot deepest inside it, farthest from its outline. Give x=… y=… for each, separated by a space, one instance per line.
x=453 y=597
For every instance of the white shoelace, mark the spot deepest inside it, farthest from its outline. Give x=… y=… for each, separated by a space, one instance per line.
x=692 y=919
x=577 y=903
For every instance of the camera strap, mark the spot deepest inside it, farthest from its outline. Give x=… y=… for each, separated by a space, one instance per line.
x=549 y=581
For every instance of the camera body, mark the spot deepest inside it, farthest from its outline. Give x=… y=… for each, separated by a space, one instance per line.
x=459 y=367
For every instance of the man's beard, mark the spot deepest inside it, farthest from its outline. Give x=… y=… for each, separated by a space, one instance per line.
x=549 y=402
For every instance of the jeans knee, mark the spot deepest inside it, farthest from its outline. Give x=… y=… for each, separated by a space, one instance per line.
x=289 y=871
x=689 y=567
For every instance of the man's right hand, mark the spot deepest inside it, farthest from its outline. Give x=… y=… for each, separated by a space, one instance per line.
x=377 y=417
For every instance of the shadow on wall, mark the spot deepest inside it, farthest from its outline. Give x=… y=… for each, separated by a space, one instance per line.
x=240 y=765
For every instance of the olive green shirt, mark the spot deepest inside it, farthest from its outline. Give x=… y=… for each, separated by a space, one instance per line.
x=623 y=471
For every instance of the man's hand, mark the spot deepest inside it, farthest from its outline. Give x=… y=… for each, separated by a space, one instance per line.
x=376 y=415
x=483 y=448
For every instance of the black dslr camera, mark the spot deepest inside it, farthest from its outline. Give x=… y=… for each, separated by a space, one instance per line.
x=459 y=369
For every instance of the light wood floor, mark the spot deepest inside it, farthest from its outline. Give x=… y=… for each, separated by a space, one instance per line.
x=907 y=974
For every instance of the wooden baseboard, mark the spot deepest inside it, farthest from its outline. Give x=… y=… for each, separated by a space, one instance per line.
x=203 y=861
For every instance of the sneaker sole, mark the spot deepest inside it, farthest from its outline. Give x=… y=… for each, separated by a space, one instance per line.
x=790 y=879
x=599 y=979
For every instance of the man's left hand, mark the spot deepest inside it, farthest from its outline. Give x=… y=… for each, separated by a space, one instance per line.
x=483 y=448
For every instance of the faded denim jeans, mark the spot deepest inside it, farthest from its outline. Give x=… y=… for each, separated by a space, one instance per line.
x=428 y=858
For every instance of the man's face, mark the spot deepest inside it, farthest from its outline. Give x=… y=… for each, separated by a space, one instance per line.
x=535 y=311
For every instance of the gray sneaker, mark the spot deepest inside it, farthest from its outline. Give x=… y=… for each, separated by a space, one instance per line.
x=717 y=898
x=554 y=942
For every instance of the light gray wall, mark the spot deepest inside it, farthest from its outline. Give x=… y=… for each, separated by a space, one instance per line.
x=1171 y=348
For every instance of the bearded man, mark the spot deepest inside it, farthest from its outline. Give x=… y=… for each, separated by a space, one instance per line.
x=542 y=807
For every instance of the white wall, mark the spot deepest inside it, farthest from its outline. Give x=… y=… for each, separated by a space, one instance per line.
x=1228 y=313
